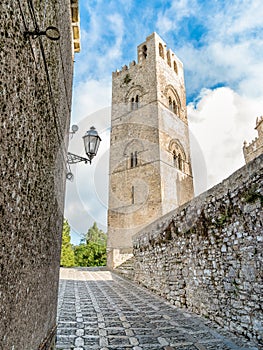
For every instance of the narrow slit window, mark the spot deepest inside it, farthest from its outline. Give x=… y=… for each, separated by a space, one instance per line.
x=174 y=159
x=170 y=104
x=161 y=52
x=135 y=159
x=132 y=195
x=169 y=58
x=137 y=101
x=174 y=107
x=175 y=67
x=132 y=160
x=180 y=162
x=144 y=51
x=132 y=104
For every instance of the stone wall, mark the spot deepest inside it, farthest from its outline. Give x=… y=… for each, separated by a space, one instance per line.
x=207 y=255
x=36 y=80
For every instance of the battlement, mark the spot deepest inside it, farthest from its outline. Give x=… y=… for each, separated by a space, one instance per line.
x=124 y=69
x=251 y=144
x=259 y=121
x=255 y=147
x=153 y=48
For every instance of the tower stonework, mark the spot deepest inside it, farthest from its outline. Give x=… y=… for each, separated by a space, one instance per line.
x=150 y=166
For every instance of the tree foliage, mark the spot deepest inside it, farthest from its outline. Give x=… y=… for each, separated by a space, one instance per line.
x=92 y=250
x=67 y=253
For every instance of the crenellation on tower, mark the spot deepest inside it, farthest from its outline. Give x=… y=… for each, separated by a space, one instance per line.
x=150 y=166
x=255 y=147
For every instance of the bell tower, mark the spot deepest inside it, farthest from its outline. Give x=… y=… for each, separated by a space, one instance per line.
x=150 y=166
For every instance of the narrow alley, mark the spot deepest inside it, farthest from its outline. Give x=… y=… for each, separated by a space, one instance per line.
x=101 y=310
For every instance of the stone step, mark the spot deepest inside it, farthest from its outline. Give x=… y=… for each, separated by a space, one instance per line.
x=126 y=269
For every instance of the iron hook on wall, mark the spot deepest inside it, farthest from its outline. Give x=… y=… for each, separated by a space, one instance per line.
x=51 y=33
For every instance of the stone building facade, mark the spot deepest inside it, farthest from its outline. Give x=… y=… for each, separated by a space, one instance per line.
x=150 y=166
x=36 y=83
x=207 y=255
x=254 y=148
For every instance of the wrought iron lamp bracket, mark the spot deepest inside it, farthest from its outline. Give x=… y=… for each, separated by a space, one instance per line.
x=74 y=158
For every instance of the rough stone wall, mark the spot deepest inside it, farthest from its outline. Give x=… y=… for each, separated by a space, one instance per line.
x=207 y=255
x=35 y=111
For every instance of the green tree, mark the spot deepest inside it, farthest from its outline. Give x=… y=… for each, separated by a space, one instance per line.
x=84 y=255
x=92 y=252
x=67 y=258
x=96 y=235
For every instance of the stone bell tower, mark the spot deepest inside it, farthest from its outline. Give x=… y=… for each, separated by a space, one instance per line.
x=150 y=166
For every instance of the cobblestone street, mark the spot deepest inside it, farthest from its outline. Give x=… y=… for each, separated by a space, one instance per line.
x=100 y=310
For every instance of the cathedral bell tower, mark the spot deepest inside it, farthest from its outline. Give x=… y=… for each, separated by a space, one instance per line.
x=150 y=166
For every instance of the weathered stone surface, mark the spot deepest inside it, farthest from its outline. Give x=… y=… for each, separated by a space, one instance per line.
x=34 y=119
x=207 y=255
x=154 y=129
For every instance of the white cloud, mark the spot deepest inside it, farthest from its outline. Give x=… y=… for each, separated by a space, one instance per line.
x=236 y=18
x=165 y=24
x=220 y=123
x=229 y=50
x=101 y=41
x=90 y=96
x=183 y=8
x=169 y=19
x=233 y=65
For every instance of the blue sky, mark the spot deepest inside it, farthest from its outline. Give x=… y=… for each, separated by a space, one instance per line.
x=220 y=44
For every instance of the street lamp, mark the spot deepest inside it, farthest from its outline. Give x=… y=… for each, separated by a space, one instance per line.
x=91 y=143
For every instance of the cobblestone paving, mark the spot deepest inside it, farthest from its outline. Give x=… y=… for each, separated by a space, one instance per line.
x=100 y=310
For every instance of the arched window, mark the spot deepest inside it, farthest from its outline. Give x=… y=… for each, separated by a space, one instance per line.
x=132 y=151
x=172 y=100
x=135 y=102
x=144 y=51
x=175 y=68
x=161 y=52
x=178 y=155
x=169 y=58
x=134 y=97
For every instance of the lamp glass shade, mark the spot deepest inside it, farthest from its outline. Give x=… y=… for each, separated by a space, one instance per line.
x=91 y=142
